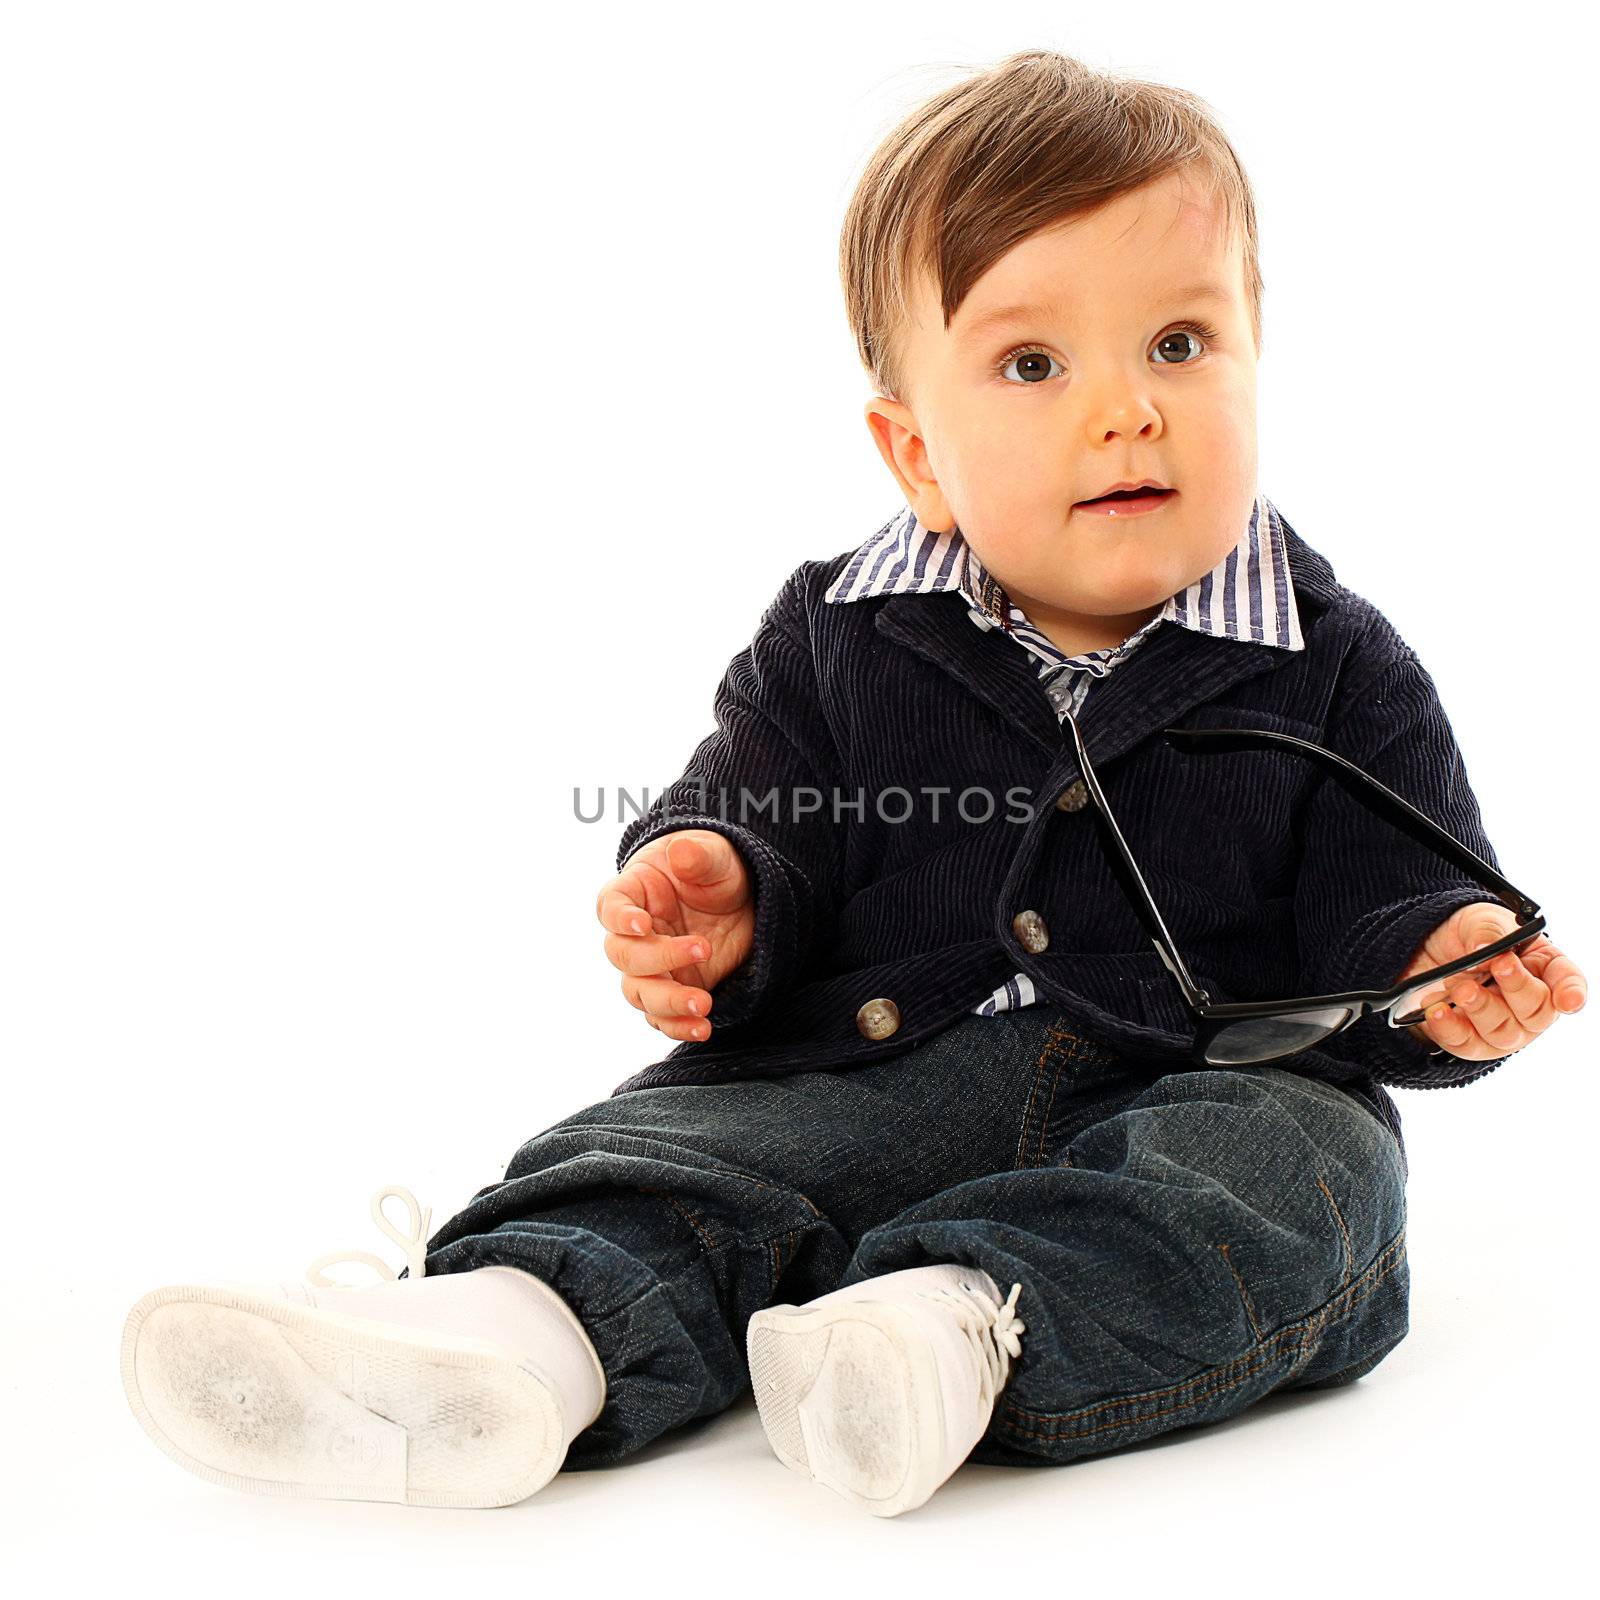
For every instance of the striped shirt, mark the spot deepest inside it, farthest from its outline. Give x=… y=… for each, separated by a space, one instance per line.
x=1247 y=596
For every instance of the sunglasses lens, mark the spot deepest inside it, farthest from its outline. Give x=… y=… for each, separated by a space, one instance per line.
x=1263 y=1038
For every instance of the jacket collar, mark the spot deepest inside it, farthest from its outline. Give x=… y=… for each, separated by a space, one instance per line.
x=1173 y=670
x=1248 y=595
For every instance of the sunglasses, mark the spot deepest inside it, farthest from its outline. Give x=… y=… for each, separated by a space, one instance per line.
x=1257 y=1032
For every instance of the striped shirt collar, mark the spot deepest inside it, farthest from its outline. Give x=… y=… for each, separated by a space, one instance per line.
x=1247 y=596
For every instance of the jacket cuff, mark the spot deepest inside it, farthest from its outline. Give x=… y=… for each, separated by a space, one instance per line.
x=1381 y=944
x=779 y=917
x=1398 y=1058
x=1378 y=950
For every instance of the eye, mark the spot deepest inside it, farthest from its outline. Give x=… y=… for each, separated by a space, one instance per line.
x=1031 y=354
x=1185 y=336
x=1198 y=332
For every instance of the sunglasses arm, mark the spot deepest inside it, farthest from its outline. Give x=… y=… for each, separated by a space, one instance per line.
x=1132 y=880
x=1365 y=788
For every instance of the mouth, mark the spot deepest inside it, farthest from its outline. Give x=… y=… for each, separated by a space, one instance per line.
x=1127 y=502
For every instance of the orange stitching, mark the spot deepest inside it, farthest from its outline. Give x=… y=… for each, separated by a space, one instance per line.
x=1254 y=1359
x=795 y=1192
x=1027 y=1114
x=781 y=1256
x=1244 y=1293
x=693 y=1221
x=1049 y=1105
x=783 y=1251
x=1344 y=1233
x=1055 y=1039
x=1095 y=1053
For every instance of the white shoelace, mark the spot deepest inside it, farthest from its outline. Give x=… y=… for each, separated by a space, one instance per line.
x=415 y=1243
x=993 y=1331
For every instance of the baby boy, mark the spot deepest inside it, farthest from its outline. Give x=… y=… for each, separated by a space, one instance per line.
x=934 y=917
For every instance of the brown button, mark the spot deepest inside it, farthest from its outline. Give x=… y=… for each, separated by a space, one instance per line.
x=1030 y=930
x=878 y=1018
x=1074 y=797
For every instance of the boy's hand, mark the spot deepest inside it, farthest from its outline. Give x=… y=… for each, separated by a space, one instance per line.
x=1525 y=992
x=679 y=917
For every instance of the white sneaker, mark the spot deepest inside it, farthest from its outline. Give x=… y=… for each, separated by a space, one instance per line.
x=881 y=1389
x=463 y=1389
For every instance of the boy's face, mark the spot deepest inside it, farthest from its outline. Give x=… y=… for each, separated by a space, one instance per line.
x=1009 y=426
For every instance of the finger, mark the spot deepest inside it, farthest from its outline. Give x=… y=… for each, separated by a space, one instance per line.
x=620 y=906
x=647 y=954
x=666 y=999
x=1525 y=996
x=1481 y=924
x=667 y=1006
x=1560 y=973
x=1489 y=1017
x=710 y=873
x=678 y=996
x=1434 y=995
x=1448 y=1026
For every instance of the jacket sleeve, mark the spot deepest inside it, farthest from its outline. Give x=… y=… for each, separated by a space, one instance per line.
x=1367 y=893
x=766 y=778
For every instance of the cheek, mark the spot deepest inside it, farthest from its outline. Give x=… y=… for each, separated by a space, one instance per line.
x=1218 y=452
x=997 y=444
x=993 y=477
x=1228 y=417
x=1018 y=464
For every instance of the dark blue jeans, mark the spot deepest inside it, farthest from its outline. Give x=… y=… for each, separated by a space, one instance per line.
x=1186 y=1242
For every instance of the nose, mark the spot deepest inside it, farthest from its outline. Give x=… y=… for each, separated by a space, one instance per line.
x=1132 y=419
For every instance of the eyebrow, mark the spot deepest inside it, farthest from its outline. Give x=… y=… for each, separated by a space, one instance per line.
x=1032 y=311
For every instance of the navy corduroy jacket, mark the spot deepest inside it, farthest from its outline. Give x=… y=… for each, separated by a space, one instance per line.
x=1273 y=879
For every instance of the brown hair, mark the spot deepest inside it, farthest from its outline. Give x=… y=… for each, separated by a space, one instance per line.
x=1030 y=141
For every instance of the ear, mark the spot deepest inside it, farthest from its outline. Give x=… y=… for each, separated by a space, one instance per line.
x=900 y=442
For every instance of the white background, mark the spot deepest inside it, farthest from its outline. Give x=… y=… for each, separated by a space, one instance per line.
x=407 y=412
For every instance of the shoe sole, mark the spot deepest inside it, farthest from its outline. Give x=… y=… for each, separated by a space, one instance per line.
x=849 y=1397
x=274 y=1398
